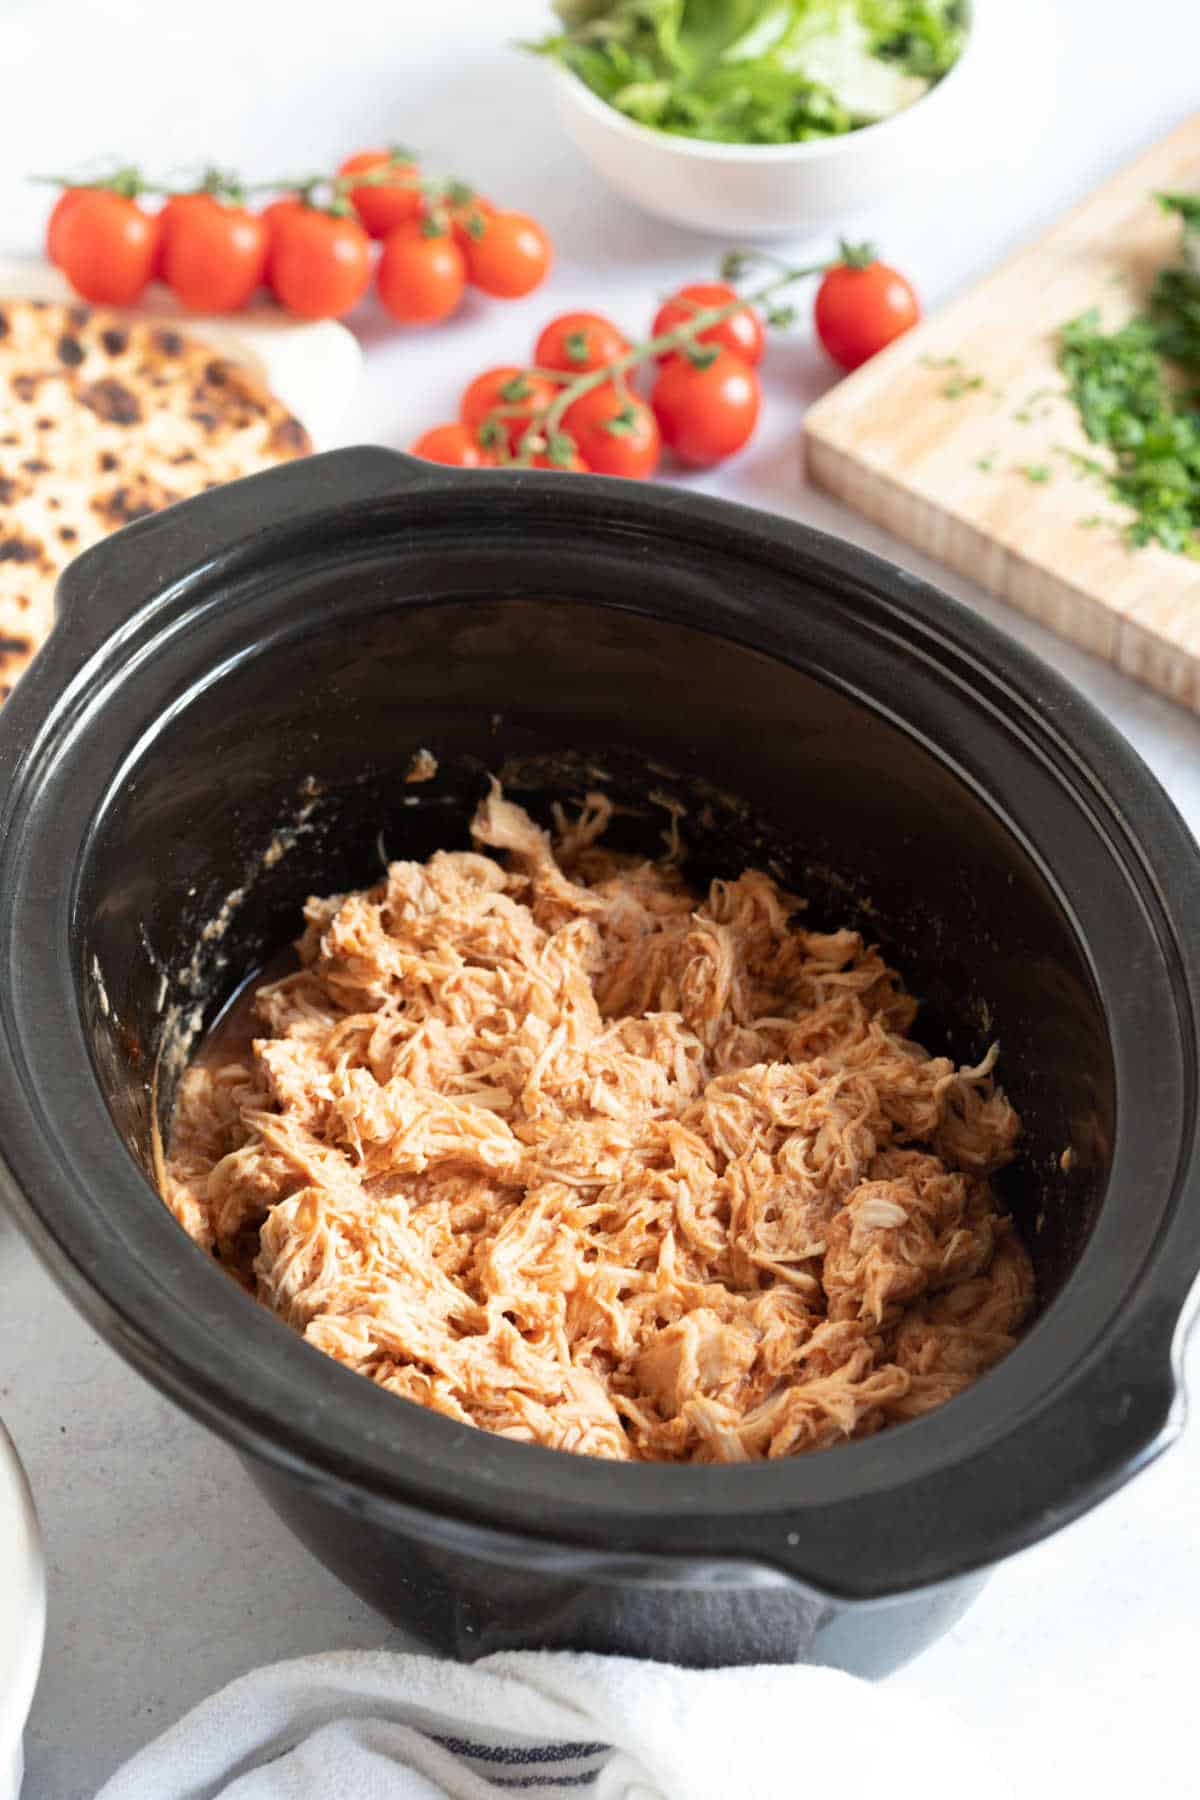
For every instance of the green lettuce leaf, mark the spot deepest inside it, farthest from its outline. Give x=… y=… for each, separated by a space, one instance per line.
x=757 y=71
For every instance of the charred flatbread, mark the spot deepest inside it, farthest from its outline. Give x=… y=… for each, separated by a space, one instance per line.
x=104 y=419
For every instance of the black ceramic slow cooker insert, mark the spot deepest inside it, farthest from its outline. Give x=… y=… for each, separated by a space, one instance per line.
x=220 y=725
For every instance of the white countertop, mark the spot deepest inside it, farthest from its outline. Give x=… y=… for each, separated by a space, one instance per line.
x=168 y=1574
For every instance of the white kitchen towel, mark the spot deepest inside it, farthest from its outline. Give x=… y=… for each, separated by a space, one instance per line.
x=363 y=1725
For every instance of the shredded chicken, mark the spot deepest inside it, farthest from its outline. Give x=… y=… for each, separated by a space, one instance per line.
x=560 y=1150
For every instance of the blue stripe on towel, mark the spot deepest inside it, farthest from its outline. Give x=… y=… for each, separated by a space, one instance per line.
x=518 y=1756
x=545 y=1781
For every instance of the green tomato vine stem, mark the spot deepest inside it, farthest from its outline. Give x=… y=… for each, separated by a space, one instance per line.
x=225 y=185
x=545 y=423
x=126 y=181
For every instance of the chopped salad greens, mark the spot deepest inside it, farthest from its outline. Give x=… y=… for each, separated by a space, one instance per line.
x=758 y=71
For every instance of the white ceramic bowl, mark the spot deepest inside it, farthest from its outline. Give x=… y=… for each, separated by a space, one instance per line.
x=736 y=191
x=22 y=1613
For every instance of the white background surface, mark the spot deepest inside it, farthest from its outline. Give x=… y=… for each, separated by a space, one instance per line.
x=168 y=1573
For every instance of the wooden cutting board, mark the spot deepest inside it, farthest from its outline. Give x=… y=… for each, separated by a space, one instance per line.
x=936 y=438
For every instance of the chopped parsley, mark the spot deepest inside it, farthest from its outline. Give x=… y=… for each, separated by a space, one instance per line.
x=1136 y=392
x=1038 y=473
x=1085 y=467
x=1035 y=405
x=962 y=384
x=959 y=383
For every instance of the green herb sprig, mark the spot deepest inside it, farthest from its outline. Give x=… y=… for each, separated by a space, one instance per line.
x=1135 y=390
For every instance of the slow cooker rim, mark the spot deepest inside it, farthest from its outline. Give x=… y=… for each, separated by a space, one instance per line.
x=852 y=563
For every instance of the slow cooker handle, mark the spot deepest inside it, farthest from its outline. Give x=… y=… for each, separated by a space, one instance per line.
x=1110 y=1417
x=103 y=589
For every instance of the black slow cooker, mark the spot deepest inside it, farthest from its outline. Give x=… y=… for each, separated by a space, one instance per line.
x=220 y=725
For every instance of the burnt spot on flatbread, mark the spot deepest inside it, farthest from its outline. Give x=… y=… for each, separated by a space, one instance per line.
x=10 y=437
x=205 y=418
x=44 y=424
x=130 y=501
x=25 y=387
x=114 y=340
x=115 y=510
x=68 y=534
x=168 y=343
x=5 y=327
x=11 y=647
x=70 y=350
x=112 y=401
x=10 y=487
x=36 y=465
x=234 y=391
x=78 y=316
x=182 y=457
x=289 y=438
x=106 y=462
x=18 y=549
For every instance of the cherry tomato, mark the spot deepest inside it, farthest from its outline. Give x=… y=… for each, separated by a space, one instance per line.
x=860 y=310
x=169 y=211
x=390 y=203
x=214 y=256
x=468 y=218
x=573 y=465
x=275 y=211
x=510 y=256
x=421 y=274
x=319 y=264
x=706 y=413
x=63 y=206
x=577 y=342
x=451 y=444
x=505 y=387
x=616 y=433
x=106 y=247
x=741 y=332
